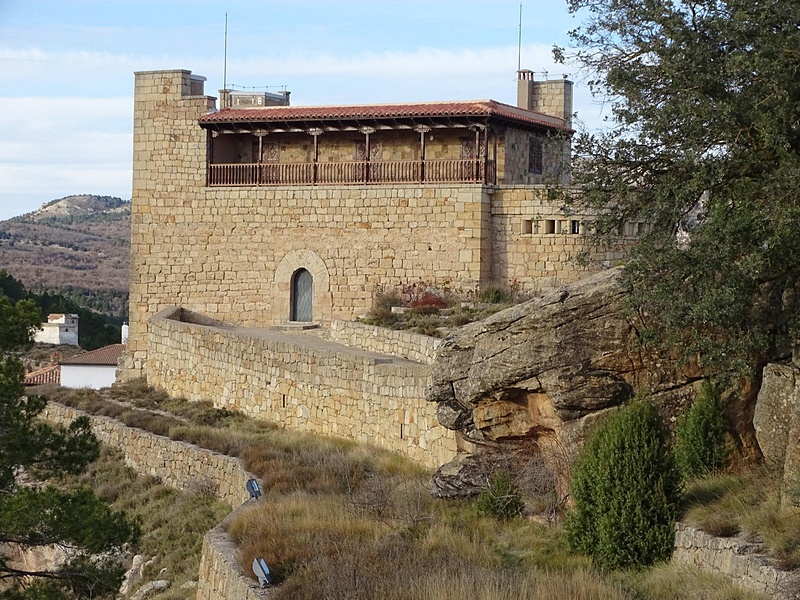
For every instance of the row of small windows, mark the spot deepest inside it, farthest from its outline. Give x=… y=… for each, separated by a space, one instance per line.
x=552 y=226
x=575 y=227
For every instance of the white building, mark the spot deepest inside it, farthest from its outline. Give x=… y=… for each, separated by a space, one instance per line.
x=96 y=369
x=59 y=329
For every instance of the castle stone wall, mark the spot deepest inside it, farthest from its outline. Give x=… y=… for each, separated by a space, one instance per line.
x=303 y=384
x=735 y=559
x=413 y=346
x=524 y=249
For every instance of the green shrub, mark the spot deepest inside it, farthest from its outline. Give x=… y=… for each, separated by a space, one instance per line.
x=386 y=300
x=501 y=499
x=495 y=294
x=626 y=491
x=700 y=435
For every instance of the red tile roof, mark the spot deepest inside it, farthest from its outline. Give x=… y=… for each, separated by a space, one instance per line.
x=474 y=109
x=51 y=374
x=109 y=355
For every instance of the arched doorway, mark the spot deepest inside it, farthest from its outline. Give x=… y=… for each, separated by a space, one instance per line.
x=302 y=296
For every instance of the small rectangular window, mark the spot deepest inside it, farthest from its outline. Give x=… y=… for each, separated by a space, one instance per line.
x=527 y=226
x=575 y=227
x=550 y=226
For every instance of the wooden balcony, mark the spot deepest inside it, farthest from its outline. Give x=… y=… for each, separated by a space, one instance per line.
x=353 y=172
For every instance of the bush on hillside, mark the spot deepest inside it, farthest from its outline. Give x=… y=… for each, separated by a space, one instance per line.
x=700 y=435
x=500 y=499
x=626 y=490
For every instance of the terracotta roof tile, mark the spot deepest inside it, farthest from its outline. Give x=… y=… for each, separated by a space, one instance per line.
x=473 y=108
x=51 y=374
x=109 y=355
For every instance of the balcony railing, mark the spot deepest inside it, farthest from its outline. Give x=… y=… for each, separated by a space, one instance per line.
x=353 y=172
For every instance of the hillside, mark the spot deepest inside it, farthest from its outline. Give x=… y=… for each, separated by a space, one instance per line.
x=77 y=241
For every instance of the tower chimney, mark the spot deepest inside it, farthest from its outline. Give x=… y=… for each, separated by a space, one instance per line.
x=525 y=89
x=552 y=97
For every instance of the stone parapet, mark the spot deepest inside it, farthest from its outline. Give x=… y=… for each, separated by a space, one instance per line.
x=736 y=559
x=300 y=382
x=413 y=346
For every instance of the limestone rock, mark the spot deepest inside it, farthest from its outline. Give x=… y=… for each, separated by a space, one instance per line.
x=777 y=401
x=134 y=574
x=542 y=371
x=150 y=588
x=777 y=423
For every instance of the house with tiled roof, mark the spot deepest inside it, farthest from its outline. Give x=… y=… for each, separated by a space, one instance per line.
x=95 y=369
x=258 y=213
x=50 y=374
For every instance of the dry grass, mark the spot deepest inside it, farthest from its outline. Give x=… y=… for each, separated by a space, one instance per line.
x=683 y=582
x=746 y=503
x=341 y=520
x=173 y=523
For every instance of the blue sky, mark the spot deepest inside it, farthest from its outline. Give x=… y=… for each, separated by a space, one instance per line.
x=66 y=69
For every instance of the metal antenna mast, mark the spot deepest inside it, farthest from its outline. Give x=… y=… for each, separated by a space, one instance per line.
x=519 y=44
x=225 y=59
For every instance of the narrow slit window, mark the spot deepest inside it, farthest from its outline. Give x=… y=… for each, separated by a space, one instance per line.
x=535 y=158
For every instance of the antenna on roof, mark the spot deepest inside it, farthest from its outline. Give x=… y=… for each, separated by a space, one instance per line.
x=519 y=44
x=225 y=57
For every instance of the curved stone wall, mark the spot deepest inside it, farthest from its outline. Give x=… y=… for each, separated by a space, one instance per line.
x=300 y=382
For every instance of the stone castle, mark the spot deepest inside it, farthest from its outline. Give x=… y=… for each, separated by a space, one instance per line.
x=260 y=213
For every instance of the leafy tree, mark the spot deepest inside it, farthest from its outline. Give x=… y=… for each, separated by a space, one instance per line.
x=700 y=435
x=703 y=143
x=34 y=513
x=626 y=491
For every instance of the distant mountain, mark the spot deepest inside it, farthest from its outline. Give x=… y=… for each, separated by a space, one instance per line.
x=82 y=242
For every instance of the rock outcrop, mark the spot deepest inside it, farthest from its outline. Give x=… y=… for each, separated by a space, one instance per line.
x=777 y=424
x=540 y=373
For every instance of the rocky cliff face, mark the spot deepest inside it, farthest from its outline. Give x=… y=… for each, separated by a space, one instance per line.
x=536 y=376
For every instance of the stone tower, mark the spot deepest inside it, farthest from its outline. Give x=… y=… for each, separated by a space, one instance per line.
x=168 y=163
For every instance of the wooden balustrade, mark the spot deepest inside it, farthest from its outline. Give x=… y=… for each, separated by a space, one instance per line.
x=352 y=172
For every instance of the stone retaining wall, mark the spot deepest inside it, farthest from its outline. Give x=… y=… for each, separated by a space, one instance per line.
x=302 y=386
x=413 y=346
x=177 y=464
x=220 y=575
x=184 y=466
x=737 y=560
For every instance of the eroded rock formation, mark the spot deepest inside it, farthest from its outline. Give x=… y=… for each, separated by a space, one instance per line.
x=540 y=373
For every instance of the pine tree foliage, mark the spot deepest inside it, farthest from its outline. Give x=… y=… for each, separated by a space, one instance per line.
x=34 y=513
x=626 y=491
x=703 y=143
x=700 y=435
